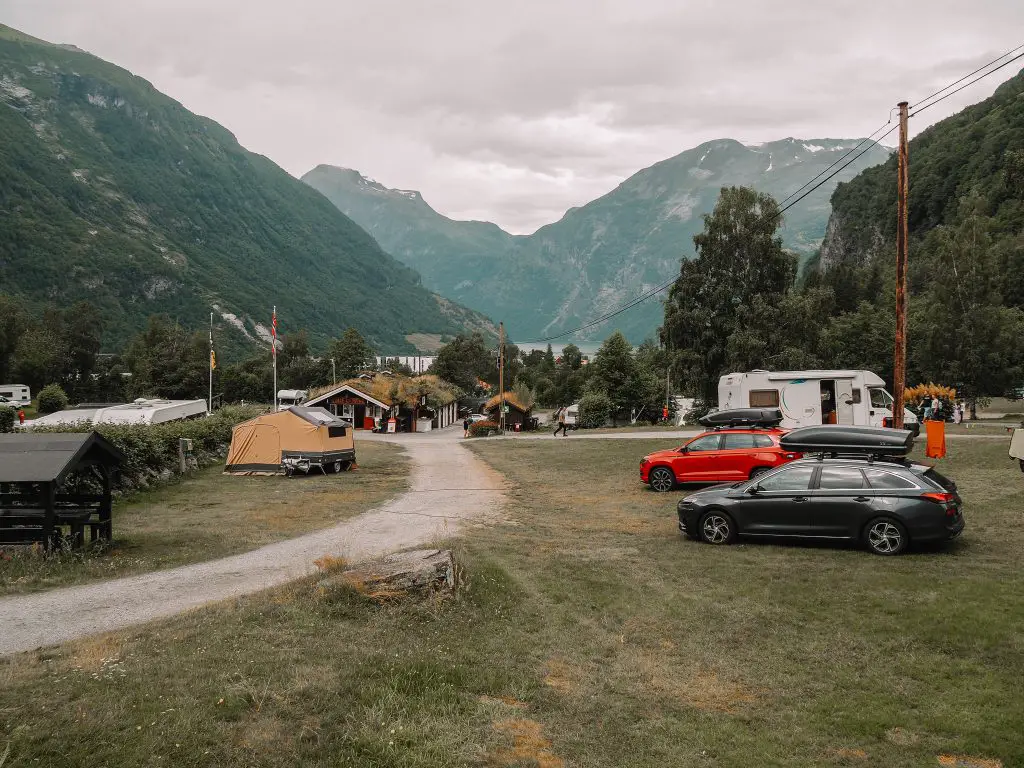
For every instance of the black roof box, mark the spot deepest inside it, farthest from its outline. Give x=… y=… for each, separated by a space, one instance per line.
x=832 y=438
x=742 y=417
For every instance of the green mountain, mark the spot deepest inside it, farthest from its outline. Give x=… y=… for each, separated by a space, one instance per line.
x=113 y=192
x=965 y=253
x=978 y=151
x=602 y=254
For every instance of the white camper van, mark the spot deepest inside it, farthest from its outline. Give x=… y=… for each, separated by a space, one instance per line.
x=808 y=398
x=15 y=394
x=286 y=398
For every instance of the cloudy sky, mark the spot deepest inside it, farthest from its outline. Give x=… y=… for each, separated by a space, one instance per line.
x=515 y=111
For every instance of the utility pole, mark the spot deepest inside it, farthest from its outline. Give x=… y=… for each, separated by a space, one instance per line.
x=501 y=376
x=899 y=375
x=209 y=402
x=334 y=375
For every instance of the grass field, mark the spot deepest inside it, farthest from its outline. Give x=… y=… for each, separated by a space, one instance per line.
x=589 y=634
x=209 y=515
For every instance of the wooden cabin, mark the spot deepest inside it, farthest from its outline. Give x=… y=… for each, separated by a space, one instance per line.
x=518 y=413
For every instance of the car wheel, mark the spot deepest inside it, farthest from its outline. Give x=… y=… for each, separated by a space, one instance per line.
x=337 y=467
x=662 y=479
x=884 y=536
x=716 y=527
x=757 y=471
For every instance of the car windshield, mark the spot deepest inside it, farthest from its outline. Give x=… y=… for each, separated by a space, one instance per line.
x=880 y=398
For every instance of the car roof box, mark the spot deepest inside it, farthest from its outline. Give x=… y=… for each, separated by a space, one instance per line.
x=840 y=439
x=742 y=417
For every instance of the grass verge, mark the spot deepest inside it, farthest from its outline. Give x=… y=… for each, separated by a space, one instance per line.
x=590 y=634
x=208 y=515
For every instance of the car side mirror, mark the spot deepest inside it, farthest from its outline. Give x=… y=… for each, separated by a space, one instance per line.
x=753 y=489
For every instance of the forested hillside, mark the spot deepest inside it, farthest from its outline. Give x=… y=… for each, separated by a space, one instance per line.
x=112 y=192
x=598 y=256
x=966 y=259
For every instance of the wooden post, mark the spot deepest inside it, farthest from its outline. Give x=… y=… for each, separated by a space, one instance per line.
x=106 y=528
x=49 y=514
x=899 y=376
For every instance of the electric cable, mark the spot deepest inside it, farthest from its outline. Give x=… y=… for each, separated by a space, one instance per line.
x=966 y=85
x=969 y=74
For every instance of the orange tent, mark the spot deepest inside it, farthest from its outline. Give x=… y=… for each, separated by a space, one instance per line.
x=294 y=439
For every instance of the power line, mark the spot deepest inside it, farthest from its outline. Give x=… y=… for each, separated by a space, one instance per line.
x=969 y=74
x=846 y=155
x=965 y=85
x=790 y=200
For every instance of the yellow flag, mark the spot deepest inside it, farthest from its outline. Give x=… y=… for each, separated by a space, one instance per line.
x=213 y=360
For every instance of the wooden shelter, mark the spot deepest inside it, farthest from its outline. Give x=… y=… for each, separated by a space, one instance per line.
x=49 y=482
x=518 y=413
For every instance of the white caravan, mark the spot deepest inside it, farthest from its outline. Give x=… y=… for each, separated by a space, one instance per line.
x=16 y=394
x=807 y=398
x=286 y=398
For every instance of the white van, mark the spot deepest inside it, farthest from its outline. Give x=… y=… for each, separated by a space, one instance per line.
x=808 y=398
x=16 y=394
x=286 y=398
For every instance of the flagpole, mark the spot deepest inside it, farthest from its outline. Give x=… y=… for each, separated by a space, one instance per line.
x=273 y=351
x=209 y=404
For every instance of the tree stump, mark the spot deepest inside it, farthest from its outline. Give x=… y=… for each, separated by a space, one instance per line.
x=421 y=572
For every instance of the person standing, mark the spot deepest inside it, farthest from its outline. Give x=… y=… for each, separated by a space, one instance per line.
x=936 y=407
x=926 y=416
x=465 y=426
x=560 y=416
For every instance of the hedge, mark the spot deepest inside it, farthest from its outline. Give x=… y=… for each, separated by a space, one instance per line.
x=595 y=410
x=151 y=451
x=7 y=419
x=483 y=428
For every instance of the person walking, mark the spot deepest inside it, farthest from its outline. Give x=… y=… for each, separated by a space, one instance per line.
x=465 y=426
x=560 y=416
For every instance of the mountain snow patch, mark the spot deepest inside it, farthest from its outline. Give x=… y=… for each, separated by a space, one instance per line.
x=813 y=147
x=769 y=163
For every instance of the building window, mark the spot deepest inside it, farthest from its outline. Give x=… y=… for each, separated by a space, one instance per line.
x=764 y=398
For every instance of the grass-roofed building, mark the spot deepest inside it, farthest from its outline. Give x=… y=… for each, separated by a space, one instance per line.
x=417 y=404
x=520 y=411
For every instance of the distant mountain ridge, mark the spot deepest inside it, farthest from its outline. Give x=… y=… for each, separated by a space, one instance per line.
x=111 y=191
x=599 y=255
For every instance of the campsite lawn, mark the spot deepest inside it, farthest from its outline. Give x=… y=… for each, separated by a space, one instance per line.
x=589 y=634
x=209 y=515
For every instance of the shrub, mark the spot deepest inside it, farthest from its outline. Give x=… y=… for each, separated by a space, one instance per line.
x=7 y=418
x=595 y=410
x=483 y=428
x=152 y=449
x=52 y=399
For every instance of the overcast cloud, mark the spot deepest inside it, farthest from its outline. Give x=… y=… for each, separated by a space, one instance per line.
x=514 y=112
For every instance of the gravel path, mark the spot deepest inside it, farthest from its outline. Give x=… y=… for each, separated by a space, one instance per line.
x=450 y=489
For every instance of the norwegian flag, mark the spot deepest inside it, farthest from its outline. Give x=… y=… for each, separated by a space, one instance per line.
x=273 y=332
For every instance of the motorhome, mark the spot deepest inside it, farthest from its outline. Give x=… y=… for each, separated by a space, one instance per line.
x=16 y=394
x=286 y=398
x=807 y=398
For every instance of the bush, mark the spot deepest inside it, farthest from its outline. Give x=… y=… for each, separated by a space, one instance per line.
x=595 y=410
x=151 y=450
x=7 y=418
x=483 y=428
x=52 y=399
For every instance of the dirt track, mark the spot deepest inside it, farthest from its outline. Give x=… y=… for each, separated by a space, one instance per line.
x=450 y=489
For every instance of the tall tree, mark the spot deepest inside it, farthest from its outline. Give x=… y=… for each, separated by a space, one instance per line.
x=465 y=360
x=739 y=256
x=351 y=354
x=13 y=322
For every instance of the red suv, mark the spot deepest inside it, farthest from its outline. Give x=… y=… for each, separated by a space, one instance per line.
x=721 y=456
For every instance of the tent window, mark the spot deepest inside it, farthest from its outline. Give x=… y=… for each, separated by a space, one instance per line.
x=764 y=398
x=338 y=431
